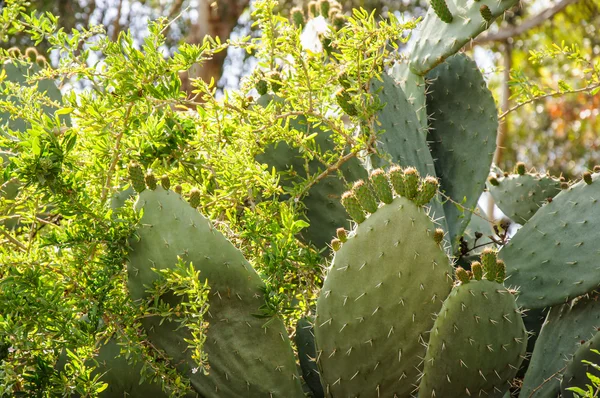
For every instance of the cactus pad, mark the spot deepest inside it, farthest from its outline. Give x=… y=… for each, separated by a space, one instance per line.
x=247 y=356
x=462 y=136
x=414 y=87
x=374 y=311
x=576 y=372
x=307 y=355
x=520 y=196
x=476 y=345
x=439 y=40
x=553 y=258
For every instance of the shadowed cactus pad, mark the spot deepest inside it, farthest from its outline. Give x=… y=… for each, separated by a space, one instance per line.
x=374 y=311
x=247 y=356
x=476 y=345
x=576 y=372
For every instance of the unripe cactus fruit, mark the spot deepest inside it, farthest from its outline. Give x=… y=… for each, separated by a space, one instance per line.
x=41 y=61
x=441 y=10
x=477 y=270
x=31 y=53
x=597 y=169
x=194 y=198
x=136 y=176
x=462 y=275
x=438 y=235
x=488 y=261
x=179 y=189
x=324 y=7
x=397 y=178
x=165 y=182
x=365 y=196
x=411 y=182
x=520 y=168
x=298 y=17
x=427 y=190
x=564 y=185
x=275 y=81
x=336 y=244
x=345 y=102
x=587 y=177
x=494 y=181
x=381 y=186
x=500 y=271
x=352 y=207
x=150 y=180
x=14 y=52
x=486 y=13
x=313 y=9
x=342 y=235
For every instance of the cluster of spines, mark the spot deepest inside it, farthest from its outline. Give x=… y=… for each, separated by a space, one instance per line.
x=140 y=181
x=490 y=268
x=406 y=182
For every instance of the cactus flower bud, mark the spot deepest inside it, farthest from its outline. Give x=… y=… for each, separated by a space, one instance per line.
x=352 y=207
x=381 y=185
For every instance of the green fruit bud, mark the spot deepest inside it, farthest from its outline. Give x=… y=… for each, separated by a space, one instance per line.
x=338 y=20
x=343 y=80
x=462 y=275
x=441 y=10
x=136 y=177
x=477 y=270
x=178 y=189
x=14 y=52
x=427 y=190
x=345 y=102
x=597 y=169
x=381 y=185
x=41 y=61
x=488 y=261
x=275 y=82
x=501 y=271
x=411 y=182
x=262 y=87
x=564 y=185
x=165 y=182
x=486 y=13
x=587 y=177
x=494 y=181
x=298 y=17
x=396 y=176
x=150 y=180
x=324 y=7
x=438 y=235
x=520 y=168
x=31 y=53
x=342 y=235
x=313 y=9
x=194 y=198
x=365 y=197
x=352 y=207
x=336 y=244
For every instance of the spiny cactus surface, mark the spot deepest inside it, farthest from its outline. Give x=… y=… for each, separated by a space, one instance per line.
x=462 y=136
x=478 y=340
x=553 y=257
x=439 y=39
x=247 y=356
x=521 y=196
x=566 y=326
x=414 y=87
x=576 y=374
x=374 y=311
x=307 y=355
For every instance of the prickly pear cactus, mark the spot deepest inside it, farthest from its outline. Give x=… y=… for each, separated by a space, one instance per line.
x=565 y=328
x=248 y=356
x=441 y=39
x=553 y=257
x=373 y=313
x=462 y=136
x=478 y=340
x=520 y=196
x=576 y=374
x=323 y=208
x=414 y=88
x=307 y=355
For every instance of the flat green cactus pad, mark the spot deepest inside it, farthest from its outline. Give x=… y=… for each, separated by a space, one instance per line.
x=307 y=355
x=554 y=256
x=439 y=40
x=462 y=136
x=374 y=311
x=414 y=88
x=566 y=326
x=248 y=356
x=476 y=345
x=576 y=374
x=520 y=196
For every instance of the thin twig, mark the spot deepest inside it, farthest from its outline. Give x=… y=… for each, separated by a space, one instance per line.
x=546 y=381
x=334 y=167
x=115 y=158
x=13 y=240
x=556 y=93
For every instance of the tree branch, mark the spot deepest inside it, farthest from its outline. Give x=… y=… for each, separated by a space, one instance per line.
x=523 y=27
